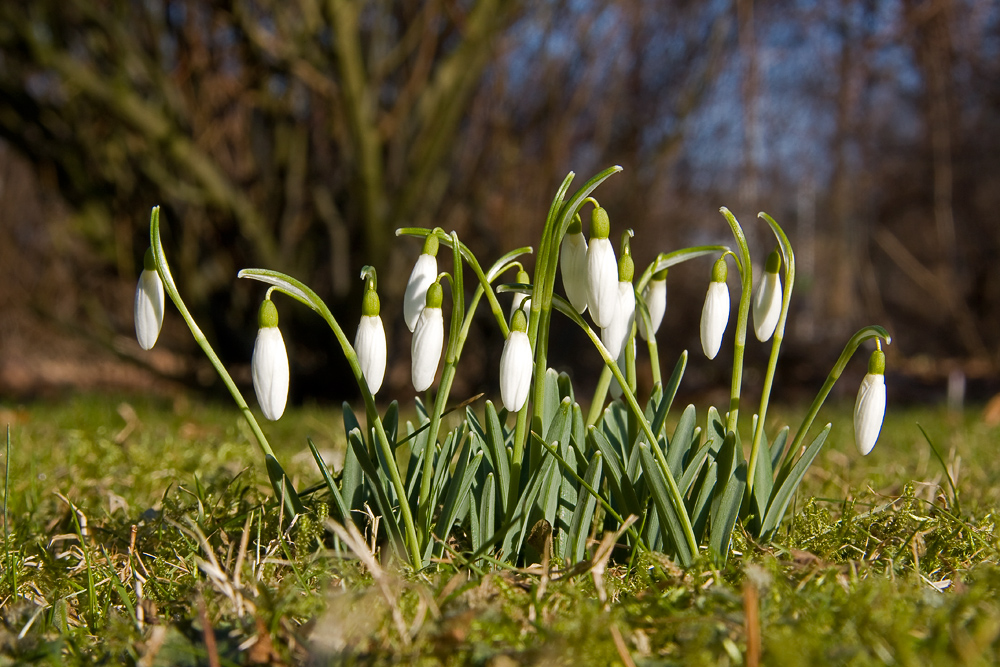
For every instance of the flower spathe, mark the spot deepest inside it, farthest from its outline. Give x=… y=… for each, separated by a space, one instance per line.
x=428 y=340
x=602 y=271
x=767 y=300
x=424 y=273
x=715 y=314
x=655 y=296
x=148 y=304
x=269 y=364
x=520 y=297
x=869 y=409
x=369 y=343
x=573 y=265
x=516 y=365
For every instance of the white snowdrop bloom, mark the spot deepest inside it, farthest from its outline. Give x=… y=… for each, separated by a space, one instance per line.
x=655 y=296
x=428 y=340
x=516 y=364
x=767 y=300
x=424 y=273
x=520 y=297
x=573 y=265
x=269 y=364
x=615 y=334
x=148 y=304
x=869 y=410
x=369 y=343
x=715 y=314
x=602 y=271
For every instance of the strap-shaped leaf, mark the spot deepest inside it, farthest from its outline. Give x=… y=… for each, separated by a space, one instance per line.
x=762 y=483
x=343 y=513
x=685 y=481
x=496 y=445
x=465 y=472
x=724 y=519
x=778 y=450
x=670 y=388
x=569 y=496
x=550 y=407
x=621 y=486
x=783 y=496
x=583 y=514
x=681 y=441
x=373 y=479
x=704 y=491
x=674 y=532
x=487 y=512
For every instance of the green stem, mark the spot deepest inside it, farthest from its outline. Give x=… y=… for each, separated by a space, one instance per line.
x=600 y=395
x=746 y=280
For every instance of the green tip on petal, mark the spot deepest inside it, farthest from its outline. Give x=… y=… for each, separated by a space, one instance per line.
x=431 y=245
x=773 y=262
x=575 y=225
x=435 y=295
x=626 y=269
x=148 y=261
x=876 y=363
x=600 y=224
x=370 y=305
x=523 y=277
x=267 y=316
x=519 y=322
x=720 y=271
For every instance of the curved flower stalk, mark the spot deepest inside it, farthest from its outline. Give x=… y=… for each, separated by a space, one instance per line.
x=369 y=342
x=573 y=265
x=269 y=363
x=715 y=313
x=520 y=297
x=655 y=297
x=869 y=409
x=428 y=340
x=148 y=303
x=767 y=300
x=424 y=273
x=602 y=270
x=515 y=364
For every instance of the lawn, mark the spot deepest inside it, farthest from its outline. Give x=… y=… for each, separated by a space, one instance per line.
x=144 y=531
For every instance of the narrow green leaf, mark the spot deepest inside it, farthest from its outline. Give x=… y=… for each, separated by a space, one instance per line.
x=487 y=512
x=681 y=441
x=373 y=479
x=583 y=514
x=498 y=452
x=780 y=500
x=724 y=520
x=674 y=533
x=343 y=514
x=283 y=489
x=621 y=486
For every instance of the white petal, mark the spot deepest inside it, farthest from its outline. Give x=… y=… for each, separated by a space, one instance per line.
x=602 y=281
x=655 y=296
x=869 y=410
x=424 y=273
x=614 y=335
x=148 y=308
x=369 y=344
x=515 y=371
x=270 y=372
x=714 y=318
x=573 y=265
x=767 y=306
x=425 y=351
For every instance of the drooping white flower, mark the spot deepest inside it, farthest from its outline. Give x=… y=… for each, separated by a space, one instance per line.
x=148 y=303
x=269 y=364
x=602 y=270
x=424 y=273
x=369 y=343
x=428 y=340
x=715 y=314
x=520 y=297
x=869 y=409
x=573 y=265
x=767 y=300
x=617 y=332
x=516 y=364
x=655 y=296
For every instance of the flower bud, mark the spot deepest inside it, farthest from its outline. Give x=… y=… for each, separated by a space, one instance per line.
x=516 y=364
x=424 y=273
x=655 y=296
x=767 y=301
x=269 y=364
x=573 y=265
x=148 y=305
x=715 y=314
x=369 y=343
x=602 y=270
x=869 y=410
x=428 y=340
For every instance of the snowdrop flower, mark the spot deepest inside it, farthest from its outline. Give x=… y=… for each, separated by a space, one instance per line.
x=270 y=363
x=573 y=265
x=617 y=332
x=602 y=270
x=428 y=340
x=516 y=364
x=715 y=314
x=655 y=296
x=369 y=343
x=519 y=297
x=424 y=273
x=869 y=410
x=767 y=301
x=148 y=303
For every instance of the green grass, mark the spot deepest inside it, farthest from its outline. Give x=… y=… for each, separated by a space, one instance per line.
x=876 y=563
